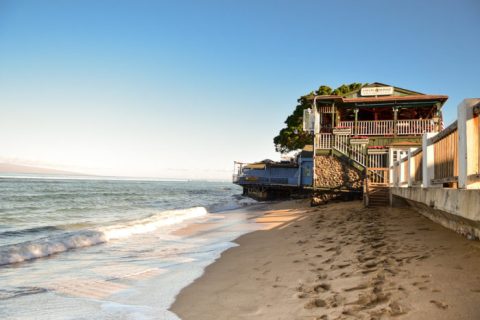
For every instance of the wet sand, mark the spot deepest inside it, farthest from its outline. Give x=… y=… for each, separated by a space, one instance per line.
x=340 y=261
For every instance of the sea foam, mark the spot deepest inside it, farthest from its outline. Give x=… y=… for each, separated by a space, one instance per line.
x=84 y=238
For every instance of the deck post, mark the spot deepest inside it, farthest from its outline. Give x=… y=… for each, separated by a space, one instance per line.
x=316 y=135
x=334 y=115
x=395 y=118
x=390 y=165
x=402 y=173
x=428 y=160
x=468 y=144
x=355 y=125
x=410 y=168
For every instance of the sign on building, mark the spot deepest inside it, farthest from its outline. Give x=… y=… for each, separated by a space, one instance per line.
x=308 y=120
x=376 y=91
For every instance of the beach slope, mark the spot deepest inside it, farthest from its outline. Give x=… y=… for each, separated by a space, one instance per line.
x=340 y=261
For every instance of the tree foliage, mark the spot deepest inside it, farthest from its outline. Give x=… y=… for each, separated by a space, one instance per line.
x=292 y=137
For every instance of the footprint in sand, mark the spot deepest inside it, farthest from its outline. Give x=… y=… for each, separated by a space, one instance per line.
x=369 y=300
x=315 y=303
x=370 y=264
x=340 y=266
x=439 y=304
x=322 y=276
x=396 y=309
x=359 y=287
x=322 y=287
x=378 y=245
x=364 y=259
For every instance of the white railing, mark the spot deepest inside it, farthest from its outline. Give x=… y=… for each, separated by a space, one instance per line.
x=386 y=127
x=377 y=176
x=357 y=153
x=370 y=128
x=377 y=160
x=449 y=158
x=324 y=140
x=342 y=143
x=405 y=127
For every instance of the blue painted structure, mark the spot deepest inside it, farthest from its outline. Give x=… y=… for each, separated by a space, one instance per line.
x=268 y=179
x=276 y=173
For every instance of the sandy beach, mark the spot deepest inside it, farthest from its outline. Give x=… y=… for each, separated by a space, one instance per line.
x=339 y=261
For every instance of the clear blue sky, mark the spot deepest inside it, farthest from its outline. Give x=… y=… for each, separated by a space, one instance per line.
x=183 y=88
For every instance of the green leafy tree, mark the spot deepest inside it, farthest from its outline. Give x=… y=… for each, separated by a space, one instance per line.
x=292 y=137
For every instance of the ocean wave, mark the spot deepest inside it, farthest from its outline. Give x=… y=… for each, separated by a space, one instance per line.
x=84 y=238
x=12 y=233
x=165 y=218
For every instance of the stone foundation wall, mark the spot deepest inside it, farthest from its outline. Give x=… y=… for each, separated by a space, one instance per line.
x=334 y=173
x=335 y=176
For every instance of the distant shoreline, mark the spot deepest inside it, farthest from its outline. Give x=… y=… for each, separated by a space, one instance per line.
x=85 y=177
x=8 y=171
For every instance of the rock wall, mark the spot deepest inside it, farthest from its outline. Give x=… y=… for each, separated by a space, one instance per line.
x=334 y=173
x=334 y=176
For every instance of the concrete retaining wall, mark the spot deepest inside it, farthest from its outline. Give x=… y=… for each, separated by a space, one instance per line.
x=456 y=209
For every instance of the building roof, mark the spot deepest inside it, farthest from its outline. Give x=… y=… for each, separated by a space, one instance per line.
x=399 y=95
x=421 y=97
x=398 y=89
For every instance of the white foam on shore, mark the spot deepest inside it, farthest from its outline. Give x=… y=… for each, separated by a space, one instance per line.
x=182 y=259
x=84 y=238
x=152 y=223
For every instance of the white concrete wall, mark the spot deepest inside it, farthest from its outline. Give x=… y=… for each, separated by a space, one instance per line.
x=457 y=209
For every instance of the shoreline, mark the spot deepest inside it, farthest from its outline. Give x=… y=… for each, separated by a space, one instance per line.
x=339 y=261
x=137 y=273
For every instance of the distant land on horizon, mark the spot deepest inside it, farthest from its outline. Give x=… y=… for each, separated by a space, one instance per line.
x=16 y=168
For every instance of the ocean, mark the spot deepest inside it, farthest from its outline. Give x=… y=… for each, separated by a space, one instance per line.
x=108 y=249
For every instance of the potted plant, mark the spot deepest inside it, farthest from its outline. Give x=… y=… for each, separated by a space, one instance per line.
x=376 y=150
x=342 y=130
x=359 y=140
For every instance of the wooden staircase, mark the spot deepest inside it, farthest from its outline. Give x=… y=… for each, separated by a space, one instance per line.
x=378 y=196
x=376 y=190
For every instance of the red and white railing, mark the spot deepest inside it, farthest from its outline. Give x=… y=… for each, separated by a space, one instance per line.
x=387 y=127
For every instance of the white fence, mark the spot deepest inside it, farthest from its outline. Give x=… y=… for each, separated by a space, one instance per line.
x=449 y=158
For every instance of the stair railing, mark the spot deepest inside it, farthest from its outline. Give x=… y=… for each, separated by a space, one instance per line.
x=357 y=152
x=378 y=176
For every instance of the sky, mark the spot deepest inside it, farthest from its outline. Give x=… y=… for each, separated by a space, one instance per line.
x=181 y=89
